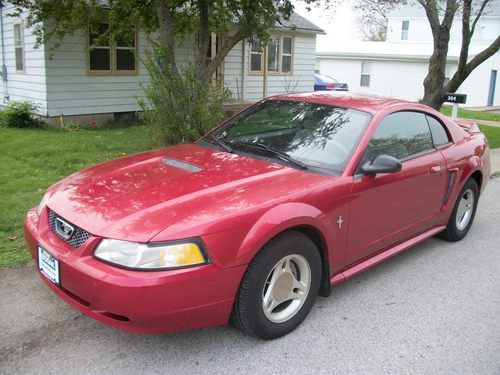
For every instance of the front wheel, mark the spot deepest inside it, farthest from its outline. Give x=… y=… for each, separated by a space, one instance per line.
x=463 y=212
x=279 y=287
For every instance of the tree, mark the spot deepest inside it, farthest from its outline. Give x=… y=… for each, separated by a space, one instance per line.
x=181 y=103
x=373 y=17
x=434 y=87
x=172 y=20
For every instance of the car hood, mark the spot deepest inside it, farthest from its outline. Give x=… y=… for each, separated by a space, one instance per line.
x=136 y=197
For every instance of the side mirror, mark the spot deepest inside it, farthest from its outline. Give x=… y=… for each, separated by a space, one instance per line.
x=382 y=164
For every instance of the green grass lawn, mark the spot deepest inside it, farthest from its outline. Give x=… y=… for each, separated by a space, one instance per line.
x=464 y=113
x=492 y=133
x=32 y=160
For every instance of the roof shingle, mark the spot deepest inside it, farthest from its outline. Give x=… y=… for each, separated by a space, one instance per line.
x=298 y=22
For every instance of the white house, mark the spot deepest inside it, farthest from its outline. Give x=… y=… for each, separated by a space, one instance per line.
x=398 y=66
x=97 y=83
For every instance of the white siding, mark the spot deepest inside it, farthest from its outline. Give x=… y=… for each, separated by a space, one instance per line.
x=29 y=85
x=387 y=78
x=487 y=29
x=71 y=90
x=476 y=86
x=233 y=70
x=404 y=79
x=302 y=79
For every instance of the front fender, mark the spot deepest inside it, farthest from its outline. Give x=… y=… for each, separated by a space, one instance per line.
x=279 y=219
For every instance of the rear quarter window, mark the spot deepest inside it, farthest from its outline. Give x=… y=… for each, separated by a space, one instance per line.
x=440 y=136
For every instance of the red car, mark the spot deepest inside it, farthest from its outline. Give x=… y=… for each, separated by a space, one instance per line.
x=250 y=223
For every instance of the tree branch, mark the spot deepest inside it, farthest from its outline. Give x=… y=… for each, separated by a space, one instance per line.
x=459 y=77
x=222 y=53
x=466 y=36
x=478 y=16
x=449 y=14
x=431 y=12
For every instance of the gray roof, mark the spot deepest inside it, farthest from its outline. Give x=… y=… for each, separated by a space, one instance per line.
x=298 y=22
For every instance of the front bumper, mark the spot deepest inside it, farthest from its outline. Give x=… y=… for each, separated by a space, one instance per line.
x=135 y=301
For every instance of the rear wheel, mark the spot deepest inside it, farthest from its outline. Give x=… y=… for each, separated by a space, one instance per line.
x=279 y=287
x=463 y=213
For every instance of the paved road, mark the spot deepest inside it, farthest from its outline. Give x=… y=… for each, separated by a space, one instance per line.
x=434 y=309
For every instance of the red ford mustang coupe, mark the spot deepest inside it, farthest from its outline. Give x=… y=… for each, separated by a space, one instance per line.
x=250 y=223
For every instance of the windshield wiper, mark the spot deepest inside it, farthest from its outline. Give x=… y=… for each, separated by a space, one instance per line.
x=274 y=152
x=222 y=144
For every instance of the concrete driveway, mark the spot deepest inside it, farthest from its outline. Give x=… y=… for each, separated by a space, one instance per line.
x=434 y=309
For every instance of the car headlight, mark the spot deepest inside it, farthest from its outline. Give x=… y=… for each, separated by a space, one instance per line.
x=42 y=204
x=150 y=256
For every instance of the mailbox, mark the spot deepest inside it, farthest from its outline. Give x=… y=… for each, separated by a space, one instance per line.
x=451 y=97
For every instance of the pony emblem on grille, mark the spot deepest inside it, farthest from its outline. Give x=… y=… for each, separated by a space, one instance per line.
x=64 y=229
x=70 y=233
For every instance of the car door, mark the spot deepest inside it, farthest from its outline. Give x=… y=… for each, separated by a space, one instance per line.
x=392 y=207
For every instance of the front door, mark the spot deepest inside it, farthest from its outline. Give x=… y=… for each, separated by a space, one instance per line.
x=392 y=207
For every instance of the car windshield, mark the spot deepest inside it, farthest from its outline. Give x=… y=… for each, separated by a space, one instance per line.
x=325 y=79
x=315 y=135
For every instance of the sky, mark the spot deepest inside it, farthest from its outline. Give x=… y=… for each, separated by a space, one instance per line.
x=339 y=23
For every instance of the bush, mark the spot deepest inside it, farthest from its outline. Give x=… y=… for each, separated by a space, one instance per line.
x=19 y=114
x=179 y=107
x=71 y=126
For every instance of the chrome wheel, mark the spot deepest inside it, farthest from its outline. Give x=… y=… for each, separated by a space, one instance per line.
x=286 y=288
x=465 y=209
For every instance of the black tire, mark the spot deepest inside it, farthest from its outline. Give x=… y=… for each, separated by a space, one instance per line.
x=452 y=232
x=248 y=313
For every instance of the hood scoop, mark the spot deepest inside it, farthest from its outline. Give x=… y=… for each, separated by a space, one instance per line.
x=181 y=165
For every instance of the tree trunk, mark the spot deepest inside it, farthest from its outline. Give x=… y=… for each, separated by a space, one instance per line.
x=166 y=32
x=204 y=34
x=433 y=83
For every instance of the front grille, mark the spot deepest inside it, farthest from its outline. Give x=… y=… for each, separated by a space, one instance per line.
x=78 y=237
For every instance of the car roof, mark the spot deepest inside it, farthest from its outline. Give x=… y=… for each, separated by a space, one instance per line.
x=362 y=102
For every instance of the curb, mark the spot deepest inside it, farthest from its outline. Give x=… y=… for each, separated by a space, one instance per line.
x=495 y=161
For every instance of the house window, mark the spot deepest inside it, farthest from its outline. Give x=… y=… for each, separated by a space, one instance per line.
x=279 y=55
x=365 y=74
x=404 y=30
x=19 y=47
x=286 y=56
x=273 y=53
x=256 y=57
x=112 y=55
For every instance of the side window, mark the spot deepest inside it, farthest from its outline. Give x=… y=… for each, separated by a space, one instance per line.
x=439 y=134
x=19 y=47
x=366 y=68
x=401 y=134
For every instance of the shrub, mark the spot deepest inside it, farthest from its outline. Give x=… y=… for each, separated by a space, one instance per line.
x=20 y=114
x=71 y=126
x=179 y=107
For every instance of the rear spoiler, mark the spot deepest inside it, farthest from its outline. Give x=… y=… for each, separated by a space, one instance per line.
x=468 y=125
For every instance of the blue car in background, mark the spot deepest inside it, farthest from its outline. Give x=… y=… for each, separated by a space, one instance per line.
x=326 y=83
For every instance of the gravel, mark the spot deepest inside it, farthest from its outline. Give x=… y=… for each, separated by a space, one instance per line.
x=433 y=309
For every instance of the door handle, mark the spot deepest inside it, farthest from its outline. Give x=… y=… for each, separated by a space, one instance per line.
x=435 y=169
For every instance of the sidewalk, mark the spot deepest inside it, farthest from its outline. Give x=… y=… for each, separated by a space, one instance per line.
x=494 y=109
x=484 y=122
x=495 y=160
